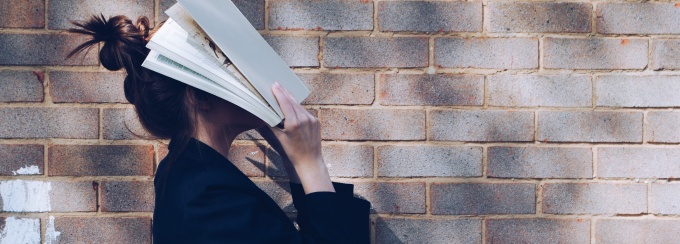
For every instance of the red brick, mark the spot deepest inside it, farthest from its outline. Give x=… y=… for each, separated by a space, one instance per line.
x=296 y=51
x=540 y=91
x=403 y=230
x=21 y=159
x=248 y=158
x=540 y=162
x=25 y=122
x=637 y=91
x=337 y=88
x=60 y=12
x=526 y=17
x=393 y=197
x=594 y=53
x=662 y=127
x=47 y=196
x=21 y=86
x=474 y=199
x=253 y=10
x=486 y=53
x=665 y=198
x=538 y=230
x=104 y=160
x=637 y=162
x=127 y=196
x=442 y=89
x=372 y=124
x=375 y=52
x=87 y=87
x=22 y=14
x=280 y=192
x=481 y=125
x=122 y=124
x=594 y=198
x=249 y=135
x=421 y=16
x=321 y=15
x=429 y=161
x=101 y=229
x=341 y=161
x=628 y=230
x=590 y=126
x=637 y=18
x=43 y=49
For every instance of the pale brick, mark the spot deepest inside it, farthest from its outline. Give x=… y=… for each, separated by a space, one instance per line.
x=47 y=196
x=249 y=135
x=538 y=231
x=438 y=90
x=540 y=91
x=20 y=229
x=638 y=18
x=43 y=49
x=248 y=158
x=127 y=196
x=100 y=229
x=21 y=86
x=122 y=124
x=341 y=161
x=662 y=127
x=637 y=91
x=637 y=162
x=665 y=198
x=100 y=160
x=59 y=13
x=594 y=53
x=87 y=87
x=372 y=124
x=375 y=52
x=23 y=122
x=626 y=230
x=549 y=17
x=665 y=53
x=474 y=199
x=594 y=198
x=321 y=15
x=337 y=89
x=22 y=14
x=401 y=230
x=21 y=159
x=590 y=126
x=253 y=10
x=421 y=16
x=540 y=162
x=280 y=192
x=296 y=51
x=393 y=197
x=454 y=125
x=429 y=161
x=486 y=53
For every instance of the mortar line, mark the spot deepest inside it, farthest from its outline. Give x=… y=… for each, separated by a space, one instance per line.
x=47 y=10
x=428 y=198
x=156 y=12
x=485 y=161
x=592 y=230
x=485 y=102
x=645 y=127
x=484 y=221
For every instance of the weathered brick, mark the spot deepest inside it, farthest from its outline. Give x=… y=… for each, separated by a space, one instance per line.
x=43 y=49
x=472 y=199
x=429 y=160
x=87 y=87
x=662 y=127
x=280 y=192
x=24 y=122
x=122 y=124
x=321 y=15
x=594 y=198
x=534 y=17
x=421 y=16
x=249 y=158
x=22 y=14
x=127 y=196
x=537 y=230
x=21 y=86
x=442 y=89
x=540 y=90
x=393 y=197
x=341 y=161
x=638 y=18
x=540 y=162
x=253 y=10
x=637 y=162
x=590 y=126
x=375 y=52
x=637 y=91
x=99 y=229
x=249 y=135
x=626 y=230
x=339 y=88
x=489 y=125
x=59 y=13
x=401 y=230
x=47 y=196
x=665 y=198
x=665 y=53
x=296 y=51
x=372 y=124
x=486 y=53
x=20 y=230
x=109 y=160
x=21 y=159
x=594 y=53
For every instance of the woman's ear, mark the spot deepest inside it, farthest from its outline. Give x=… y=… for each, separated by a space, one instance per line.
x=198 y=99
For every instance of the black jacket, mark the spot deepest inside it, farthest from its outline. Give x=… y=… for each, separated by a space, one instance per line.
x=203 y=198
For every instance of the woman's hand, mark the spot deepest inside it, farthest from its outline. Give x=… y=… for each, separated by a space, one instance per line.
x=301 y=141
x=274 y=142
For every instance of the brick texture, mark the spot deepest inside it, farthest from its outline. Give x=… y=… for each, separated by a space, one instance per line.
x=625 y=230
x=42 y=49
x=296 y=51
x=22 y=14
x=540 y=91
x=374 y=52
x=102 y=229
x=637 y=18
x=122 y=124
x=664 y=53
x=343 y=88
x=540 y=162
x=377 y=124
x=661 y=127
x=87 y=87
x=402 y=230
x=638 y=162
x=665 y=198
x=474 y=199
x=532 y=230
x=594 y=198
x=321 y=15
x=539 y=17
x=393 y=197
x=280 y=192
x=253 y=10
x=20 y=229
x=637 y=91
x=60 y=12
x=421 y=16
x=592 y=126
x=21 y=159
x=248 y=158
x=438 y=90
x=44 y=196
x=349 y=160
x=458 y=125
x=127 y=196
x=428 y=160
x=24 y=122
x=594 y=53
x=21 y=86
x=486 y=53
x=81 y=160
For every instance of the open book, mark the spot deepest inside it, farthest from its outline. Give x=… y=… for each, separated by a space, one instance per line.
x=211 y=46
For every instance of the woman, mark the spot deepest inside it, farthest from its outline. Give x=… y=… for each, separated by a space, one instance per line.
x=201 y=197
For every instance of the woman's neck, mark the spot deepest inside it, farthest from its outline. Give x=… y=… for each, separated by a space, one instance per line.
x=219 y=139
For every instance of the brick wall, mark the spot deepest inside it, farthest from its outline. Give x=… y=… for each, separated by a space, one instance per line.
x=467 y=122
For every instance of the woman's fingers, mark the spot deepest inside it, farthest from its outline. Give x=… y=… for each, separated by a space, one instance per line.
x=286 y=104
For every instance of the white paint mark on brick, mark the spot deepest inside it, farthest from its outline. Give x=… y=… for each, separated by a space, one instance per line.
x=27 y=170
x=51 y=235
x=20 y=230
x=25 y=196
